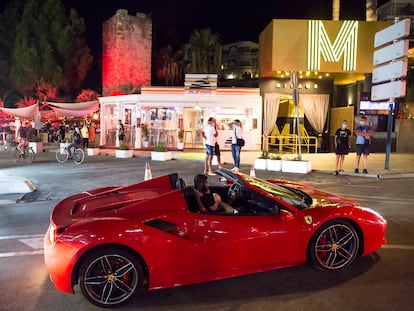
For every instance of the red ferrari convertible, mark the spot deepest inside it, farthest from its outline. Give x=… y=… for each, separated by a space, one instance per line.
x=117 y=241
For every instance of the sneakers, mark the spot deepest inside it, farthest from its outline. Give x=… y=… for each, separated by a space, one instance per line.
x=365 y=171
x=235 y=169
x=211 y=173
x=356 y=171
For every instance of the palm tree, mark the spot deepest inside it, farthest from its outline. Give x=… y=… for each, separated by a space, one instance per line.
x=202 y=54
x=168 y=67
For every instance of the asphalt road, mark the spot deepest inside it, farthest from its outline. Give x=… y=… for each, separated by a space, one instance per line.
x=382 y=281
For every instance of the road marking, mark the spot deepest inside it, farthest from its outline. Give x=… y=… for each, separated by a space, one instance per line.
x=34 y=241
x=15 y=254
x=17 y=237
x=398 y=246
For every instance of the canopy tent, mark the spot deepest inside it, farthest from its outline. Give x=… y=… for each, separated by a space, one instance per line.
x=74 y=109
x=60 y=109
x=25 y=112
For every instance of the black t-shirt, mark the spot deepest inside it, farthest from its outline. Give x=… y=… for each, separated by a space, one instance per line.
x=343 y=136
x=208 y=200
x=23 y=132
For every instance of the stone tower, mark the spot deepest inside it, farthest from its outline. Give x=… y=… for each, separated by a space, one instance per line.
x=126 y=51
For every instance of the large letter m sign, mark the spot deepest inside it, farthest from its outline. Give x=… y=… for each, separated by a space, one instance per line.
x=345 y=44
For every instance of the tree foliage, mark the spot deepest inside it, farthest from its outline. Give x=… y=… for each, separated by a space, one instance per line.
x=202 y=54
x=47 y=53
x=168 y=66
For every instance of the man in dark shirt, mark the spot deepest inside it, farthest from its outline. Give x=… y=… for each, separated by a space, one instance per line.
x=22 y=134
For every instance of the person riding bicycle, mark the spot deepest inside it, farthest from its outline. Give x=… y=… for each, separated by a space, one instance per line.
x=23 y=137
x=76 y=141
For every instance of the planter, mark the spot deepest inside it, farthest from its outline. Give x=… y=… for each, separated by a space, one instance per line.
x=180 y=145
x=292 y=166
x=93 y=151
x=161 y=156
x=36 y=146
x=124 y=153
x=260 y=164
x=274 y=165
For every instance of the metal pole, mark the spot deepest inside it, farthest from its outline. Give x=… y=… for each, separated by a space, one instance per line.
x=295 y=97
x=389 y=128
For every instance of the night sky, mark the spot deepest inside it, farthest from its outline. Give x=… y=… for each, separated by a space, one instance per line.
x=174 y=20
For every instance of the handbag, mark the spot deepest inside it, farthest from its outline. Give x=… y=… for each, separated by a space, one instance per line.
x=240 y=141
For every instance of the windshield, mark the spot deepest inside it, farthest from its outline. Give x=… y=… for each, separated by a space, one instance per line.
x=291 y=196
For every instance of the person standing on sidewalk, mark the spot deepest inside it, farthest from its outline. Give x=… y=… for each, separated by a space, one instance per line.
x=121 y=132
x=341 y=146
x=85 y=135
x=363 y=142
x=235 y=147
x=210 y=134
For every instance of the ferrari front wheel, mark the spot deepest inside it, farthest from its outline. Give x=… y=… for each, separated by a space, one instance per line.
x=334 y=246
x=110 y=277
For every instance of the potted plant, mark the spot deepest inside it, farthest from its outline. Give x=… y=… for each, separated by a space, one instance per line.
x=296 y=165
x=261 y=162
x=124 y=151
x=36 y=144
x=274 y=163
x=145 y=135
x=92 y=149
x=161 y=153
x=180 y=143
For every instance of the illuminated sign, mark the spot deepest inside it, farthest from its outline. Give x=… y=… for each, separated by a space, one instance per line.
x=345 y=44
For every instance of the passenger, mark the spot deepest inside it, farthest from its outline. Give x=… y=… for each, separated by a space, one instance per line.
x=211 y=201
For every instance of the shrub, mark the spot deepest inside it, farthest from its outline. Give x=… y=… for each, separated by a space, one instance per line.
x=264 y=155
x=160 y=148
x=123 y=147
x=275 y=157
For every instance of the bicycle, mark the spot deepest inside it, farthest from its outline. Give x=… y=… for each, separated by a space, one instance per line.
x=78 y=155
x=16 y=155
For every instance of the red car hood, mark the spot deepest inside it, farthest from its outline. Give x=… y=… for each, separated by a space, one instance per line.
x=319 y=198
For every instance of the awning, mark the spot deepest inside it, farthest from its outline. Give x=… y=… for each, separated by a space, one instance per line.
x=25 y=112
x=74 y=109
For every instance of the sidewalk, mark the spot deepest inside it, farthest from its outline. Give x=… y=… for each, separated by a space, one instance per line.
x=400 y=165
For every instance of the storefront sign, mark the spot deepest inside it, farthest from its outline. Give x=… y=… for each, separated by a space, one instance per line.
x=344 y=45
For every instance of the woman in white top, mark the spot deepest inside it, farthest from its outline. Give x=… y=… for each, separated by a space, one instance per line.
x=235 y=148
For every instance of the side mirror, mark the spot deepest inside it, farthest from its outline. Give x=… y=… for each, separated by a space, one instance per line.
x=225 y=181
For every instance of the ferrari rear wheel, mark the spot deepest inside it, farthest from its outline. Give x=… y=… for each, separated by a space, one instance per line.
x=334 y=246
x=110 y=277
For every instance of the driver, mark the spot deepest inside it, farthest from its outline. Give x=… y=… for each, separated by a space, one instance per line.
x=211 y=201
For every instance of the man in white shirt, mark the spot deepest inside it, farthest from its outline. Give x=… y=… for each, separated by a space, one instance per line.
x=210 y=135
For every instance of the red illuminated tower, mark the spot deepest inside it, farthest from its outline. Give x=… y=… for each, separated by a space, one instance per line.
x=126 y=52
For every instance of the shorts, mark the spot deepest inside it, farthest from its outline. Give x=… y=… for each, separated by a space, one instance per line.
x=362 y=149
x=342 y=149
x=209 y=150
x=217 y=149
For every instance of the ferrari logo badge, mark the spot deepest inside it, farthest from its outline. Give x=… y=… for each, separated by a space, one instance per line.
x=308 y=219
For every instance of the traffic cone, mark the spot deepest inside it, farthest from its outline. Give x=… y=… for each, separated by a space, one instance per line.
x=148 y=174
x=252 y=171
